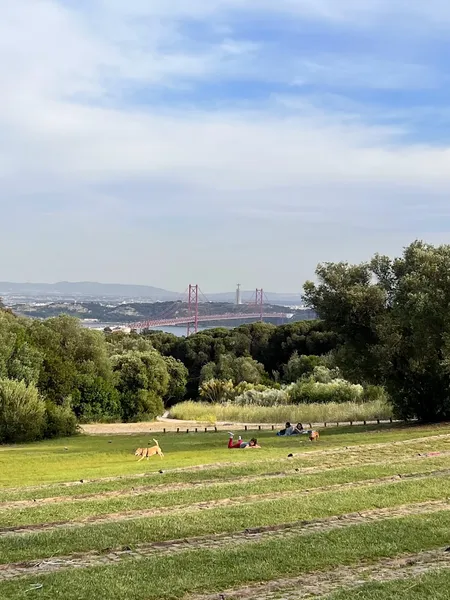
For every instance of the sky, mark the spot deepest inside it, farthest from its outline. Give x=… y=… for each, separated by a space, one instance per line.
x=168 y=142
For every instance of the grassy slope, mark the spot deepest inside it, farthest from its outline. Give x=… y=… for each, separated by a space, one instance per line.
x=172 y=577
x=215 y=570
x=433 y=586
x=91 y=457
x=63 y=511
x=217 y=520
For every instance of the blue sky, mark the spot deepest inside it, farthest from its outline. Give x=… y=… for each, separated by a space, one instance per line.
x=174 y=141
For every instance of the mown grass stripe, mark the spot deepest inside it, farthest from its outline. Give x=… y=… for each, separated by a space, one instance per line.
x=241 y=496
x=322 y=584
x=220 y=519
x=361 y=472
x=212 y=571
x=284 y=531
x=313 y=453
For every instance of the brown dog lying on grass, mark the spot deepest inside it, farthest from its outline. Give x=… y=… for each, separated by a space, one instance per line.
x=146 y=452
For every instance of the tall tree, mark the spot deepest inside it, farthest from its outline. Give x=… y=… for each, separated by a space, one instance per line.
x=393 y=317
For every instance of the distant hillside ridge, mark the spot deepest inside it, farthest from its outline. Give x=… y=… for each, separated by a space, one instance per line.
x=87 y=289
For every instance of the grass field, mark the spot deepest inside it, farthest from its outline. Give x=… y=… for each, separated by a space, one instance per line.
x=362 y=514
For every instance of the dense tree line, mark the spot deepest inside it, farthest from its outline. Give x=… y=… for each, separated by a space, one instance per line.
x=60 y=373
x=383 y=323
x=260 y=351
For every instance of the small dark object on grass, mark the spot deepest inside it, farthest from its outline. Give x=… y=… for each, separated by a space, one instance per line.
x=66 y=448
x=297 y=470
x=161 y=471
x=109 y=441
x=290 y=456
x=81 y=480
x=447 y=549
x=34 y=586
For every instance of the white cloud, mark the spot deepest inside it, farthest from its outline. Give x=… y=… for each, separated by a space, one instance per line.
x=77 y=158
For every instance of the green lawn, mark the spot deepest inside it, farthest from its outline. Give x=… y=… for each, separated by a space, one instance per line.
x=89 y=457
x=232 y=491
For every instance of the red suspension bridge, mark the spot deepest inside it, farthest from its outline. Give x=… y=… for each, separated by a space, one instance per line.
x=193 y=318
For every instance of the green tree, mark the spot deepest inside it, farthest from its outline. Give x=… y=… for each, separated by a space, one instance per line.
x=69 y=353
x=392 y=318
x=22 y=412
x=136 y=372
x=19 y=359
x=298 y=366
x=236 y=369
x=142 y=405
x=178 y=378
x=96 y=399
x=120 y=342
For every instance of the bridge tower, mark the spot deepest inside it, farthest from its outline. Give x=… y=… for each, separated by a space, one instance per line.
x=259 y=302
x=192 y=326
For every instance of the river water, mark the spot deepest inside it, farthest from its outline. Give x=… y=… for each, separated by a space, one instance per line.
x=178 y=331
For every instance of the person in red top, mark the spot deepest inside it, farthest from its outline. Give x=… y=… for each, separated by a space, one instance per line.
x=253 y=443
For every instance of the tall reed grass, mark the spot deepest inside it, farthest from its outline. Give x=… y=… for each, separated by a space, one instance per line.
x=305 y=413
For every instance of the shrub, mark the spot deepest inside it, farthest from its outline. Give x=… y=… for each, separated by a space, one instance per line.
x=217 y=391
x=338 y=390
x=323 y=374
x=22 y=412
x=96 y=400
x=375 y=392
x=300 y=365
x=237 y=369
x=60 y=420
x=269 y=397
x=143 y=405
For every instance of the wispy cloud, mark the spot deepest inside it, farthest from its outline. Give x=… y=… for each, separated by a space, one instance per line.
x=179 y=124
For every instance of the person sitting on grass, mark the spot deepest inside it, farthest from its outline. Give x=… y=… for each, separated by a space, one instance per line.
x=298 y=429
x=287 y=431
x=253 y=443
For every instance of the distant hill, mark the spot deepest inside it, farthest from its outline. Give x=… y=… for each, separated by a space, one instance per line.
x=86 y=289
x=96 y=291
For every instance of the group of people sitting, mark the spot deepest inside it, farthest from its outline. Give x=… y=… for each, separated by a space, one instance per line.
x=293 y=430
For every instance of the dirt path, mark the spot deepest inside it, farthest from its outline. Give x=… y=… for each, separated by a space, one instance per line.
x=174 y=424
x=323 y=583
x=285 y=530
x=208 y=505
x=143 y=490
x=349 y=450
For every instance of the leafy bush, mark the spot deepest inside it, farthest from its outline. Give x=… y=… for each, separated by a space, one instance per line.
x=375 y=392
x=178 y=378
x=143 y=405
x=217 y=391
x=299 y=366
x=96 y=400
x=237 y=369
x=60 y=420
x=22 y=412
x=323 y=374
x=338 y=390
